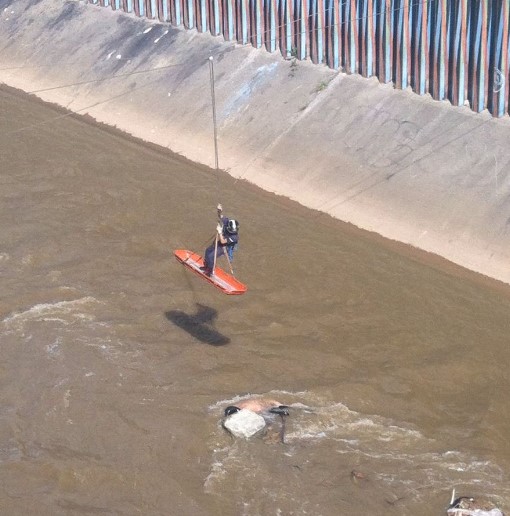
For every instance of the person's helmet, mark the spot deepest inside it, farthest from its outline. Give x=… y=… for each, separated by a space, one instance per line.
x=232 y=226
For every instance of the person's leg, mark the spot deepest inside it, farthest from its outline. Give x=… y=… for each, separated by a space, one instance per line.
x=209 y=257
x=219 y=252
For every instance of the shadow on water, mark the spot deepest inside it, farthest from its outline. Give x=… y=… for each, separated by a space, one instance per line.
x=199 y=325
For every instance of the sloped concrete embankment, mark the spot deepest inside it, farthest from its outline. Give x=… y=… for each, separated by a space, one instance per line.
x=406 y=167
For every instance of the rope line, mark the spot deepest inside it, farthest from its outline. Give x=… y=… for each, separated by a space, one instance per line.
x=157 y=69
x=74 y=112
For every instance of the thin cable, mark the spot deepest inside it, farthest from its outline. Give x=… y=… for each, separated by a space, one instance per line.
x=157 y=69
x=74 y=112
x=180 y=64
x=344 y=22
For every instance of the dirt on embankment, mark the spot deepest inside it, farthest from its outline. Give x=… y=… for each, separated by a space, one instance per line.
x=411 y=169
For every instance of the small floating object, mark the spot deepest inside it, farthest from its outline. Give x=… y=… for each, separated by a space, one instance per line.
x=244 y=423
x=357 y=476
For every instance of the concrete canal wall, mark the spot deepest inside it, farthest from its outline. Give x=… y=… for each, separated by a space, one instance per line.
x=407 y=167
x=452 y=49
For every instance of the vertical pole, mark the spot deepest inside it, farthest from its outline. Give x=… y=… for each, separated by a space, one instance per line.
x=503 y=94
x=213 y=98
x=424 y=51
x=259 y=22
x=443 y=54
x=290 y=28
x=353 y=37
x=388 y=47
x=335 y=36
x=363 y=15
x=435 y=34
x=406 y=45
x=379 y=60
x=370 y=40
x=203 y=16
x=303 y=30
x=312 y=34
x=484 y=62
x=398 y=45
x=454 y=29
x=320 y=30
x=463 y=54
x=230 y=20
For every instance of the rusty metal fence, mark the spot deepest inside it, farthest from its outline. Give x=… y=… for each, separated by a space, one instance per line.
x=456 y=50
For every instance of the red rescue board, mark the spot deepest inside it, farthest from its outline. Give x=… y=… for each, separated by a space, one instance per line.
x=219 y=278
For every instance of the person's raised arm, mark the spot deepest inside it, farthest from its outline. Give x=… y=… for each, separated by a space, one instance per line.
x=221 y=237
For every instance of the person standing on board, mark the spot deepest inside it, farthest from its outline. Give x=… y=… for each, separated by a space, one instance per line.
x=226 y=241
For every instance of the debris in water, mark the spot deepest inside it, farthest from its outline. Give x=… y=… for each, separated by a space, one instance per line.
x=244 y=423
x=246 y=418
x=357 y=476
x=468 y=506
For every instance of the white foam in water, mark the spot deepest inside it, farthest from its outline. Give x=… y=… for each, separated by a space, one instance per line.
x=218 y=471
x=405 y=460
x=50 y=312
x=110 y=349
x=54 y=348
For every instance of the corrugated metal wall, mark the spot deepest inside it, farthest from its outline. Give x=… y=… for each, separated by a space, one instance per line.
x=452 y=49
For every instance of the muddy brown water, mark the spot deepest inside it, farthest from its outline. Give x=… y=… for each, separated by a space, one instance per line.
x=117 y=362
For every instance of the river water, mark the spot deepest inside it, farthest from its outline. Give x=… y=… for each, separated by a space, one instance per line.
x=117 y=362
